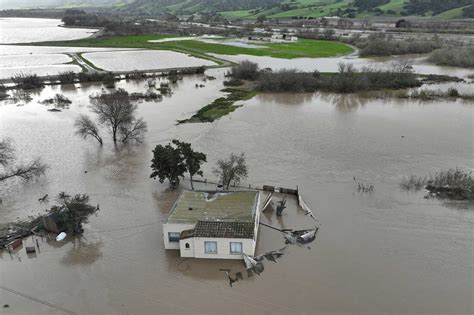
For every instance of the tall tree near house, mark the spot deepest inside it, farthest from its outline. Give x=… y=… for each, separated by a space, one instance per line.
x=24 y=171
x=86 y=127
x=231 y=170
x=168 y=163
x=192 y=159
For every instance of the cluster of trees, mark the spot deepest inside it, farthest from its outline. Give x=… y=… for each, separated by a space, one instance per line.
x=172 y=161
x=9 y=168
x=245 y=70
x=346 y=80
x=74 y=211
x=69 y=77
x=369 y=4
x=420 y=7
x=117 y=114
x=460 y=57
x=27 y=81
x=380 y=44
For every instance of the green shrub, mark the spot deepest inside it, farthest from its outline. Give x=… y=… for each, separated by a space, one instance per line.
x=452 y=92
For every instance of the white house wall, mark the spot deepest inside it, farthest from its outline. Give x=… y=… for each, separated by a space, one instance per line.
x=186 y=252
x=174 y=227
x=223 y=247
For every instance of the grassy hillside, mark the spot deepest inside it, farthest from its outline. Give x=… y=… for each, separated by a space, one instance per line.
x=276 y=9
x=348 y=8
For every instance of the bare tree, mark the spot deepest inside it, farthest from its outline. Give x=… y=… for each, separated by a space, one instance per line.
x=232 y=170
x=7 y=153
x=402 y=65
x=114 y=110
x=133 y=131
x=86 y=127
x=25 y=171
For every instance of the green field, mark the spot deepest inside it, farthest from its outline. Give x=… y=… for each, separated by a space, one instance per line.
x=302 y=48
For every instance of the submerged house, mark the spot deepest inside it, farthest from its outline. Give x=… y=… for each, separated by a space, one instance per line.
x=220 y=225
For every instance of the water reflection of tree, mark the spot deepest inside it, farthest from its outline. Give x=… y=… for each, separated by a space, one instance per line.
x=82 y=252
x=286 y=98
x=125 y=161
x=346 y=102
x=18 y=96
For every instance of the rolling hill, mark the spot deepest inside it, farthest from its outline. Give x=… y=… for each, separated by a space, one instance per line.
x=277 y=9
x=251 y=9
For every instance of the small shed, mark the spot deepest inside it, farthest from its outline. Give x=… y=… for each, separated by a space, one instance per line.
x=53 y=223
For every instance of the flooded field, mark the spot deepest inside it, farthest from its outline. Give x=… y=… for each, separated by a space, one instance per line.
x=143 y=60
x=373 y=251
x=382 y=252
x=41 y=60
x=27 y=30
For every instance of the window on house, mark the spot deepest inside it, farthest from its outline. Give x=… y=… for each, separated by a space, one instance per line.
x=210 y=247
x=173 y=237
x=236 y=247
x=186 y=245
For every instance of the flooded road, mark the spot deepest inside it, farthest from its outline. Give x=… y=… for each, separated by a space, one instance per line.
x=385 y=252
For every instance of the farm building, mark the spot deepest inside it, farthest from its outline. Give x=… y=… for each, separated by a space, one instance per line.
x=220 y=225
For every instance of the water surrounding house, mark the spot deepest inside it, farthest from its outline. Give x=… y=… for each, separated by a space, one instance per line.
x=213 y=224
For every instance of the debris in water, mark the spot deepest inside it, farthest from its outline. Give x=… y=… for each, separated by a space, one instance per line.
x=281 y=206
x=44 y=198
x=61 y=236
x=267 y=201
x=231 y=280
x=301 y=237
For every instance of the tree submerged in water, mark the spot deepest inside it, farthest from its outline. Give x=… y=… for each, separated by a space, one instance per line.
x=25 y=171
x=116 y=113
x=74 y=211
x=455 y=184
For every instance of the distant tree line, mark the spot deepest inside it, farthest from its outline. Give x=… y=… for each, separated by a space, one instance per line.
x=380 y=44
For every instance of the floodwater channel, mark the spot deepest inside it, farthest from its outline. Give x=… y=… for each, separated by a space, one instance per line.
x=382 y=252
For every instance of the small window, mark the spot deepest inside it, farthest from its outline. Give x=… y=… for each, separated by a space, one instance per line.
x=210 y=247
x=186 y=245
x=173 y=237
x=236 y=247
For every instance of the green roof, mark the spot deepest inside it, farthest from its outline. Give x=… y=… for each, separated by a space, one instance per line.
x=193 y=206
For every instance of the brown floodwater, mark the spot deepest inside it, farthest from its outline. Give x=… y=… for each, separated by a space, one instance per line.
x=384 y=252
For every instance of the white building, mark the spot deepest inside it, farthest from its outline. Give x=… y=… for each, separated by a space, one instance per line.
x=220 y=225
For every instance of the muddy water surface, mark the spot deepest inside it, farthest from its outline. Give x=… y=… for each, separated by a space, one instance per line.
x=28 y=30
x=385 y=252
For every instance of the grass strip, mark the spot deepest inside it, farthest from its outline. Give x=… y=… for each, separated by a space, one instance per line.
x=221 y=106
